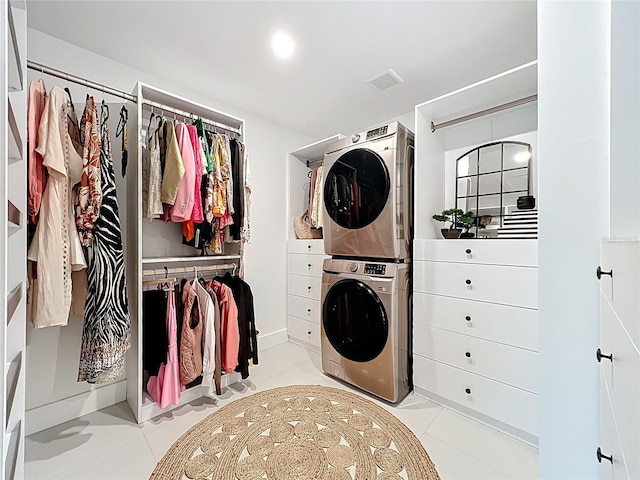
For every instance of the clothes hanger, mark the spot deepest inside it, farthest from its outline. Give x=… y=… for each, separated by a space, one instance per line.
x=121 y=129
x=104 y=112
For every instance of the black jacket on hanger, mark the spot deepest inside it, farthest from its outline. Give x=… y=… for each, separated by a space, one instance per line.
x=246 y=322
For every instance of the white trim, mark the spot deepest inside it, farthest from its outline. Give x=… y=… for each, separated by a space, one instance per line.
x=271 y=340
x=490 y=422
x=52 y=414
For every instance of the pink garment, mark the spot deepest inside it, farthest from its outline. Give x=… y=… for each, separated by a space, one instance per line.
x=183 y=206
x=36 y=171
x=228 y=326
x=165 y=388
x=197 y=215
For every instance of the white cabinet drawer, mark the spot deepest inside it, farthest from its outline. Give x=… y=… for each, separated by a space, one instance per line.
x=511 y=325
x=622 y=377
x=315 y=246
x=610 y=442
x=303 y=286
x=503 y=363
x=509 y=405
x=496 y=252
x=490 y=283
x=304 y=308
x=623 y=289
x=307 y=332
x=303 y=264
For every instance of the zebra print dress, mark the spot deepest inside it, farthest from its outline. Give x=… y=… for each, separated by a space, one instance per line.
x=106 y=332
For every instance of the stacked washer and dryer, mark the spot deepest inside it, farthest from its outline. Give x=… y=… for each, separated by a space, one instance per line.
x=366 y=285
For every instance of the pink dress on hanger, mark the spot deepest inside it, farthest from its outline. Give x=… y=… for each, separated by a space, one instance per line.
x=165 y=388
x=183 y=206
x=197 y=215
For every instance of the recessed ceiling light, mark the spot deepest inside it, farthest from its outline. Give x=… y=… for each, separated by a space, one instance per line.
x=282 y=45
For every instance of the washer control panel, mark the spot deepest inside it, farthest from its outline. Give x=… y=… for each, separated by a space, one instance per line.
x=374 y=269
x=377 y=132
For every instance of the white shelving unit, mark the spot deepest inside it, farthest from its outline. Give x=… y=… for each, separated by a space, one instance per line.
x=13 y=204
x=155 y=244
x=475 y=300
x=304 y=257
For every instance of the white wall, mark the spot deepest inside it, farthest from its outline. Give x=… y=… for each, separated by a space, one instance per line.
x=53 y=353
x=625 y=120
x=573 y=109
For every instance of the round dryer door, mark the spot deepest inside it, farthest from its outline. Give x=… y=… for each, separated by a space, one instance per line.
x=355 y=321
x=356 y=188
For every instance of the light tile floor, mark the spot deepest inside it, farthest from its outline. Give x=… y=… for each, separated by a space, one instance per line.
x=108 y=444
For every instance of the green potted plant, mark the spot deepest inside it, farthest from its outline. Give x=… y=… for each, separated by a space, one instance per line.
x=449 y=215
x=466 y=221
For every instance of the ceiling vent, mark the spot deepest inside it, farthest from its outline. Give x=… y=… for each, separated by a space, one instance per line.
x=386 y=79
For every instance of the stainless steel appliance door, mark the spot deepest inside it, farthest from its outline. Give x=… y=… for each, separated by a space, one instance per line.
x=355 y=321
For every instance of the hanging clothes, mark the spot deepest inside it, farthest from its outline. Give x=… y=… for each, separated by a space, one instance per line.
x=228 y=326
x=90 y=192
x=155 y=338
x=237 y=154
x=56 y=245
x=221 y=169
x=197 y=215
x=248 y=343
x=184 y=201
x=36 y=171
x=152 y=176
x=165 y=388
x=312 y=193
x=217 y=374
x=245 y=233
x=209 y=310
x=107 y=327
x=191 y=339
x=318 y=200
x=173 y=166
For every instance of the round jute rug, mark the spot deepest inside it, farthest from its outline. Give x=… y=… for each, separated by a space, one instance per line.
x=301 y=432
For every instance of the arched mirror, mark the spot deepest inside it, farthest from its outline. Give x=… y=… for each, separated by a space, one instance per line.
x=489 y=181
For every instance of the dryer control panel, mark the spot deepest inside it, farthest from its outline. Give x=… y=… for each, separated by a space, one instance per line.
x=374 y=269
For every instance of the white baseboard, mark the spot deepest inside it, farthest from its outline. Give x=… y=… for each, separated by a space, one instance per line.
x=52 y=414
x=272 y=339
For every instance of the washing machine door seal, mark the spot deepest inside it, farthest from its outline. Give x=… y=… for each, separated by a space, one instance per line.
x=355 y=321
x=356 y=188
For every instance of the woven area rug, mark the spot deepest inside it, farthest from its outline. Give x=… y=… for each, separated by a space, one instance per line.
x=302 y=432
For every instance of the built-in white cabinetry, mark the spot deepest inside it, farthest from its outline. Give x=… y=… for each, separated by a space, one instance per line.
x=304 y=266
x=475 y=301
x=304 y=257
x=475 y=329
x=619 y=357
x=13 y=238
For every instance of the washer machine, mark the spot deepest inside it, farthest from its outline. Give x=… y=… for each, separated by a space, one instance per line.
x=367 y=194
x=365 y=335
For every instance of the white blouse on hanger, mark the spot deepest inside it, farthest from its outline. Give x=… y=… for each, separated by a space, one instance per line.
x=56 y=245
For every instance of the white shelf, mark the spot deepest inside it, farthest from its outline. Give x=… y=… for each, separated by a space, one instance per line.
x=12 y=442
x=14 y=218
x=13 y=370
x=200 y=258
x=315 y=151
x=14 y=63
x=15 y=140
x=151 y=409
x=13 y=300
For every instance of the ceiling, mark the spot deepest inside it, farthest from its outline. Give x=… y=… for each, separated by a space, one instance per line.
x=221 y=48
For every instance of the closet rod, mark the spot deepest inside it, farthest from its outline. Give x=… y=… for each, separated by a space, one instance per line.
x=482 y=113
x=186 y=114
x=80 y=81
x=170 y=271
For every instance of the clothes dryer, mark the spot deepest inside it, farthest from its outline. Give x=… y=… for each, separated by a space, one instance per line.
x=368 y=192
x=365 y=334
